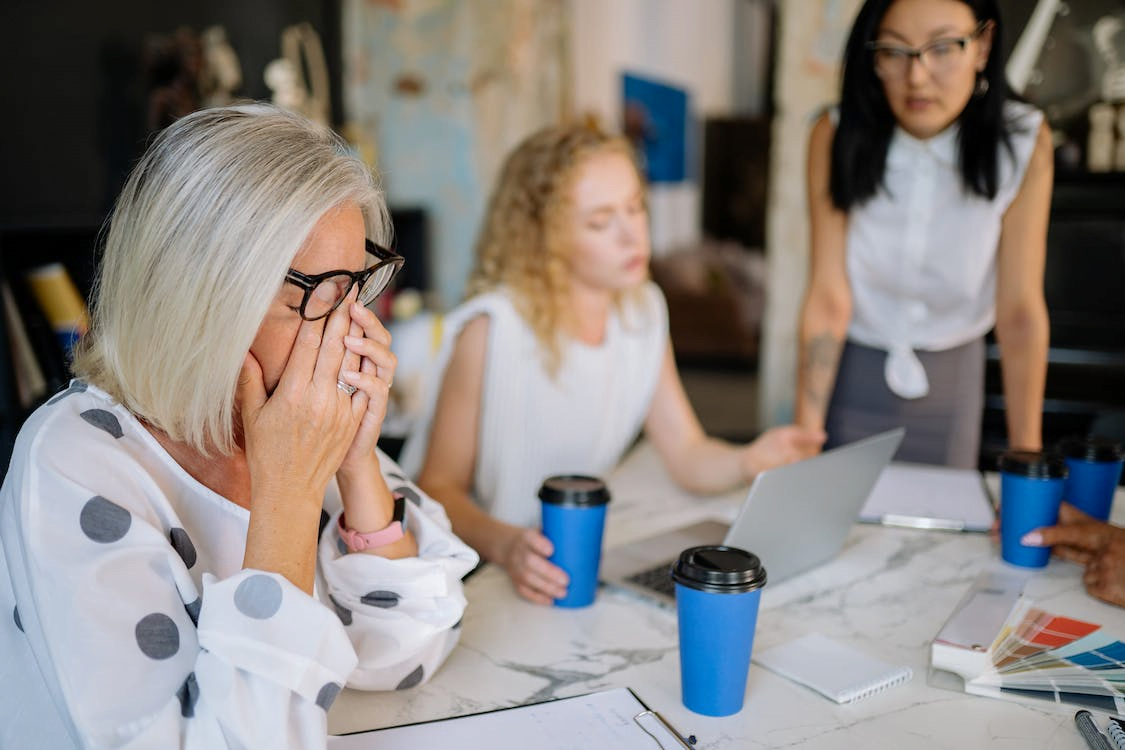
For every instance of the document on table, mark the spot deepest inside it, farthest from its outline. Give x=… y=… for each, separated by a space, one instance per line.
x=612 y=718
x=929 y=497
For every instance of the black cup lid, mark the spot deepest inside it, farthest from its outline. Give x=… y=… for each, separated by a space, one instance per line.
x=1091 y=448
x=717 y=568
x=1033 y=464
x=574 y=489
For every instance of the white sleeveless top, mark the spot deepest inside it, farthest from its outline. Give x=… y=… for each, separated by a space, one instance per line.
x=921 y=254
x=532 y=425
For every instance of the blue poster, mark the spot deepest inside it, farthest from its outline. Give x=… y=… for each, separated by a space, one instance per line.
x=655 y=120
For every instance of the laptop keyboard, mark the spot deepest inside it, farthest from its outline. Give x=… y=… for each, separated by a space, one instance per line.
x=658 y=579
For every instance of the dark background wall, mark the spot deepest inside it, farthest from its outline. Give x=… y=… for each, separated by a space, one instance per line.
x=75 y=90
x=75 y=117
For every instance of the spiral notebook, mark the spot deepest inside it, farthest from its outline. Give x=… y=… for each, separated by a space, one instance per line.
x=833 y=669
x=1116 y=732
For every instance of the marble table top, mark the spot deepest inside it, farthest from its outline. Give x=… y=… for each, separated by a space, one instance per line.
x=887 y=593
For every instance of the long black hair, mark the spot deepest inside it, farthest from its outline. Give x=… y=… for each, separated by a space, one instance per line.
x=863 y=135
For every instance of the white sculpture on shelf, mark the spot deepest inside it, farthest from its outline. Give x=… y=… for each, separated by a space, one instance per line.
x=1109 y=40
x=301 y=51
x=222 y=73
x=1100 y=146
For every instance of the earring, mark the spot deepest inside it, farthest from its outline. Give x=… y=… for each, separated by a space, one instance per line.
x=982 y=86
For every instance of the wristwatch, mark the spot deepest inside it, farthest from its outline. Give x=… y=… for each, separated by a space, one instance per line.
x=358 y=541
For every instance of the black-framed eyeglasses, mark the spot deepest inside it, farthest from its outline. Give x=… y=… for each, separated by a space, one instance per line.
x=938 y=57
x=324 y=292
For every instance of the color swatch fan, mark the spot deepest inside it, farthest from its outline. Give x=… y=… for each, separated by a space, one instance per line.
x=1038 y=654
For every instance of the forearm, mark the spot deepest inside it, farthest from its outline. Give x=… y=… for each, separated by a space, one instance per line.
x=709 y=466
x=1023 y=344
x=282 y=536
x=369 y=506
x=387 y=601
x=470 y=522
x=821 y=342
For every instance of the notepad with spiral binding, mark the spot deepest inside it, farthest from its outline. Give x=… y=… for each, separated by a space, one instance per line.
x=1116 y=732
x=833 y=669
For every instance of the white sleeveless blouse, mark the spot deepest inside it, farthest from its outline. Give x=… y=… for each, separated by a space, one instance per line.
x=533 y=425
x=921 y=254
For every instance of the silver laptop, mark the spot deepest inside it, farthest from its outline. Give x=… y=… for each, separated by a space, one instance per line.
x=794 y=517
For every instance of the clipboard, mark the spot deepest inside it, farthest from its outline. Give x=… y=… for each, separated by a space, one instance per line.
x=937 y=498
x=615 y=718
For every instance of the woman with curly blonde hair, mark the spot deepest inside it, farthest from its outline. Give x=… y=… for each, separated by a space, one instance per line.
x=560 y=356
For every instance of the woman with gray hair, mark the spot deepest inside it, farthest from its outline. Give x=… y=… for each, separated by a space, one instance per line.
x=200 y=544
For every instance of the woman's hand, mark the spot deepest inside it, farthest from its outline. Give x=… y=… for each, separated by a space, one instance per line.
x=779 y=446
x=296 y=437
x=369 y=365
x=1105 y=573
x=1077 y=537
x=1085 y=540
x=524 y=555
x=294 y=440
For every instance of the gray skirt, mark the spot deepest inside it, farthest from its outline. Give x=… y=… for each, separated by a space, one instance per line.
x=942 y=427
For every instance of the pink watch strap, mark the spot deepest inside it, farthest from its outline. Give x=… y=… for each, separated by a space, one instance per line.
x=358 y=541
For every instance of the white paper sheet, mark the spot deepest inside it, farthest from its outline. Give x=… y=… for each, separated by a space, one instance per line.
x=929 y=497
x=606 y=719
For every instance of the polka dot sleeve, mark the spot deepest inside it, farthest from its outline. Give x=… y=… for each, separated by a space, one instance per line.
x=403 y=616
x=137 y=625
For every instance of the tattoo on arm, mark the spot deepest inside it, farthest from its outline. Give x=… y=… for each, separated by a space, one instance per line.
x=818 y=361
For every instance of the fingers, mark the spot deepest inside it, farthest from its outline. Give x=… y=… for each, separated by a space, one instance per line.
x=251 y=391
x=1070 y=514
x=535 y=578
x=382 y=360
x=533 y=596
x=372 y=327
x=809 y=437
x=330 y=359
x=369 y=342
x=302 y=357
x=539 y=588
x=1093 y=575
x=1090 y=536
x=1105 y=573
x=373 y=331
x=1072 y=554
x=371 y=393
x=352 y=360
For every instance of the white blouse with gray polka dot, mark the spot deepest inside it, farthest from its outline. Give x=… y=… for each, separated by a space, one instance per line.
x=130 y=620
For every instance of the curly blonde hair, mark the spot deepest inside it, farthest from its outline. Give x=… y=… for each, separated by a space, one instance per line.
x=527 y=233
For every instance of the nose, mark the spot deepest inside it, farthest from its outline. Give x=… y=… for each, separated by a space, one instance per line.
x=632 y=230
x=916 y=72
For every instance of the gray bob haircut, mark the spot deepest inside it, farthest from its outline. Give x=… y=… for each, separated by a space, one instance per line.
x=196 y=250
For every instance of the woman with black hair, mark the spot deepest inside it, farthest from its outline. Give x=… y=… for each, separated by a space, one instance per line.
x=929 y=189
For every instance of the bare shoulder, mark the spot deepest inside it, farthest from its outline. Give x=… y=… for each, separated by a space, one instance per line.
x=820 y=138
x=1043 y=153
x=474 y=334
x=471 y=346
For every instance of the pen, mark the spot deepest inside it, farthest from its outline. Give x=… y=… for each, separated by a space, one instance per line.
x=1086 y=727
x=921 y=522
x=688 y=743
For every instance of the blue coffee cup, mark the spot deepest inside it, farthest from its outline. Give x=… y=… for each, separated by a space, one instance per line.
x=574 y=509
x=1031 y=490
x=1094 y=465
x=718 y=590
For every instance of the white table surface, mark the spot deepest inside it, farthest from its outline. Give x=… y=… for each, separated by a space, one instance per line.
x=887 y=593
